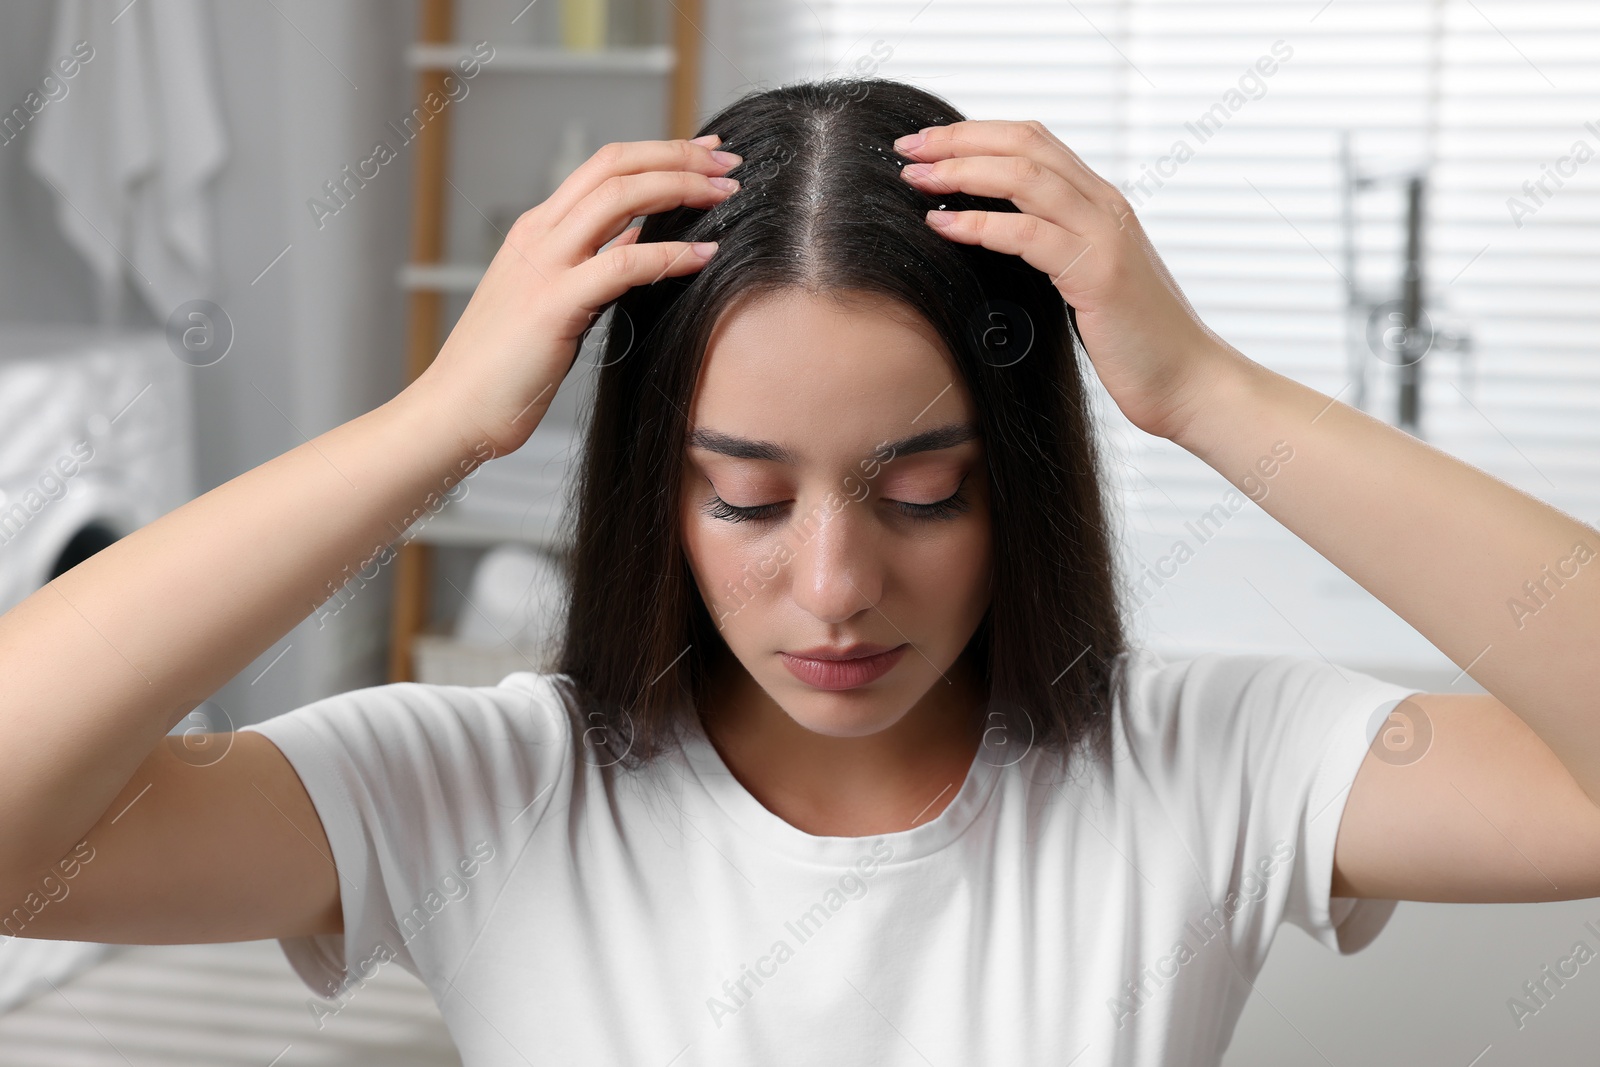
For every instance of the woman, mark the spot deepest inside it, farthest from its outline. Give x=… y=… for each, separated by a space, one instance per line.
x=845 y=759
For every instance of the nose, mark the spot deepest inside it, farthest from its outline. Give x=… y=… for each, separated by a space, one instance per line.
x=838 y=572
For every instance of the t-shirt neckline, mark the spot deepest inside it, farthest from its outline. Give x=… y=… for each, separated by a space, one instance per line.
x=741 y=806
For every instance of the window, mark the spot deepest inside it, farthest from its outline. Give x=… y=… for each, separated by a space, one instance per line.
x=1234 y=127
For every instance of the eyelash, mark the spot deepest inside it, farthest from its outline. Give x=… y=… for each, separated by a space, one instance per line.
x=954 y=504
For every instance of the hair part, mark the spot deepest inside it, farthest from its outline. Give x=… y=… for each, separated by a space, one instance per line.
x=822 y=208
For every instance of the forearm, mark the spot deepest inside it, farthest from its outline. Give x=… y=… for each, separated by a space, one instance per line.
x=102 y=662
x=1447 y=547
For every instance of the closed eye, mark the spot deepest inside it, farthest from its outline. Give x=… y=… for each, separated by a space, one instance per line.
x=955 y=504
x=718 y=508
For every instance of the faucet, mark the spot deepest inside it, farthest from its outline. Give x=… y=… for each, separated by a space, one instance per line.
x=1399 y=330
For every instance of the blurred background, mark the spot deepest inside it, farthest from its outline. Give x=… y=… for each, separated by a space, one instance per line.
x=228 y=227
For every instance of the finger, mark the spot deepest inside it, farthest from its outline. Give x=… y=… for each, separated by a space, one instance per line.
x=1080 y=169
x=619 y=199
x=1031 y=140
x=1033 y=187
x=629 y=157
x=1067 y=258
x=1031 y=136
x=616 y=270
x=626 y=237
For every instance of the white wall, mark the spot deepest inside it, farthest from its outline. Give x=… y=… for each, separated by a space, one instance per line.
x=318 y=338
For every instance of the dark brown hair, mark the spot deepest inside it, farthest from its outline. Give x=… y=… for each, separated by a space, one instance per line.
x=822 y=208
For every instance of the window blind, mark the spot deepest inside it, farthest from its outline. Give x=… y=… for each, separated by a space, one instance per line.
x=1265 y=146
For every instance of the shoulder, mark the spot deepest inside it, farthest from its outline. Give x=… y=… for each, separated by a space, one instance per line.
x=421 y=789
x=396 y=708
x=1248 y=719
x=1220 y=693
x=1248 y=758
x=404 y=736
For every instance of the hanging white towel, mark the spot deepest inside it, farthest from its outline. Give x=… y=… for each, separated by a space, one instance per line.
x=132 y=150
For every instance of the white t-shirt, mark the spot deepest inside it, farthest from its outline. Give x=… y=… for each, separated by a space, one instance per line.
x=565 y=911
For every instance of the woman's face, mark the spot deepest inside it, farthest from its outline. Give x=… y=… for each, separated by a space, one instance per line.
x=835 y=494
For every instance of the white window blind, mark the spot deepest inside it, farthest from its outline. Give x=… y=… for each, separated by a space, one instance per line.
x=1275 y=105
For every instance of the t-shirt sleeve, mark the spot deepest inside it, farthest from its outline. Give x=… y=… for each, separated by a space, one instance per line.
x=1253 y=757
x=426 y=794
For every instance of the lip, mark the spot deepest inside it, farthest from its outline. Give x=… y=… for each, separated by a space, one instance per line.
x=842 y=668
x=859 y=650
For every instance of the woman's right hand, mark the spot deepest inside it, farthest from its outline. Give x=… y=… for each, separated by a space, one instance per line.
x=517 y=338
x=100 y=664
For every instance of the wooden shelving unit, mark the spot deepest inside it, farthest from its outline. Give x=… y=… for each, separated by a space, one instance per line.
x=429 y=280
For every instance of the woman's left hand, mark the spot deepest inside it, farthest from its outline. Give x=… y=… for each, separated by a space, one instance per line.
x=1148 y=346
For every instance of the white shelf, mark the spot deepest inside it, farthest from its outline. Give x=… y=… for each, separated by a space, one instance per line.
x=443 y=660
x=442 y=277
x=530 y=59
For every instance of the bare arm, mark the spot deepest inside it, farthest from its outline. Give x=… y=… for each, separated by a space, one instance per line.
x=1501 y=805
x=102 y=662
x=1446 y=546
x=1451 y=550
x=190 y=853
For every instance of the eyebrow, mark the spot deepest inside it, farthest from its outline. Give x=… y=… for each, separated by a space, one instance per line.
x=932 y=440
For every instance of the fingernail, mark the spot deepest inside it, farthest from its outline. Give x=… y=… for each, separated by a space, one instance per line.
x=725 y=183
x=916 y=170
x=703 y=249
x=707 y=139
x=941 y=218
x=727 y=159
x=908 y=142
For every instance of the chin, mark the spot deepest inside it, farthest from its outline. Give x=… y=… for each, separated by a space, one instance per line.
x=845 y=713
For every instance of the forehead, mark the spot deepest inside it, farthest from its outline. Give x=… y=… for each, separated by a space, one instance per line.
x=798 y=367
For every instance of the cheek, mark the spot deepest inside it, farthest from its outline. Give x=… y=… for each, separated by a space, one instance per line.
x=943 y=583
x=730 y=567
x=966 y=567
x=947 y=574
